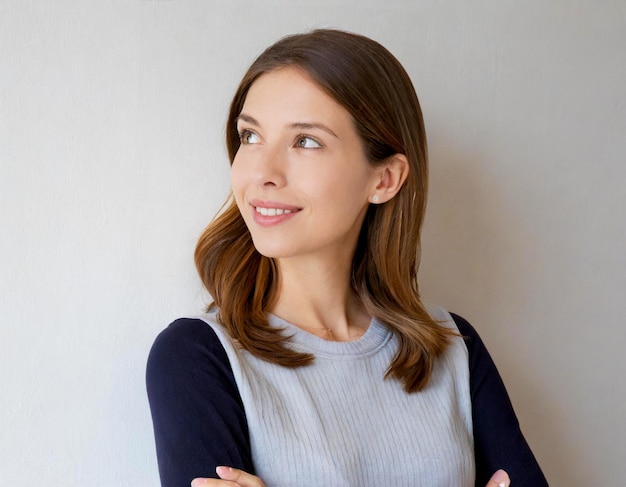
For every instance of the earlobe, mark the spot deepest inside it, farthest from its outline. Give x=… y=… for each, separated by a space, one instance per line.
x=392 y=175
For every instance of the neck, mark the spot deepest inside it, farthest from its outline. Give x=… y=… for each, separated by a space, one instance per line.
x=318 y=298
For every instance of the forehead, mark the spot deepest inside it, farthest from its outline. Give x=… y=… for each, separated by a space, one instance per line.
x=290 y=92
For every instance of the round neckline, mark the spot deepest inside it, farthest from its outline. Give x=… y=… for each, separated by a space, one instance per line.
x=374 y=338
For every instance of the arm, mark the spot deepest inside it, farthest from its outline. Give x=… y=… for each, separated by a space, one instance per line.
x=233 y=477
x=498 y=440
x=198 y=417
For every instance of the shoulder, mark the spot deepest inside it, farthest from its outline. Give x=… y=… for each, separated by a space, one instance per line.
x=186 y=348
x=452 y=320
x=464 y=326
x=484 y=375
x=185 y=336
x=477 y=351
x=471 y=337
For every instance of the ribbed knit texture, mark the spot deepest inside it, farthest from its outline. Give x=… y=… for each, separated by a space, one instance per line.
x=338 y=422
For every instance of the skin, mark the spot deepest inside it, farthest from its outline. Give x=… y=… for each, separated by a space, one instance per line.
x=303 y=185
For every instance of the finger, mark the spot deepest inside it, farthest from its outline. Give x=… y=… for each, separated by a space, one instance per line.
x=499 y=479
x=241 y=478
x=203 y=482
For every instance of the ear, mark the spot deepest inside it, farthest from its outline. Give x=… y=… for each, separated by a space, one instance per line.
x=390 y=177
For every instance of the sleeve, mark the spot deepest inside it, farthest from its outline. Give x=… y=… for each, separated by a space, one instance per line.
x=197 y=413
x=498 y=440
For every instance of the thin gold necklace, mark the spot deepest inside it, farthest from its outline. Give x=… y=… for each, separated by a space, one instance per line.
x=327 y=332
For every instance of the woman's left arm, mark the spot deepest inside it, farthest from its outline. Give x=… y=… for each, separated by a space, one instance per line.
x=498 y=439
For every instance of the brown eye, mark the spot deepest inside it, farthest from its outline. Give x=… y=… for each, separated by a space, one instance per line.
x=306 y=142
x=247 y=137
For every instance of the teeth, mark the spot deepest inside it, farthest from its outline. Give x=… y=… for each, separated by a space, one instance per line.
x=272 y=211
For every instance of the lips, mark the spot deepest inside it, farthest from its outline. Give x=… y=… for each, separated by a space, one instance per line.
x=272 y=212
x=273 y=205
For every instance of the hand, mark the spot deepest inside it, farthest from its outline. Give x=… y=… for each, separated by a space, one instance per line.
x=230 y=477
x=499 y=479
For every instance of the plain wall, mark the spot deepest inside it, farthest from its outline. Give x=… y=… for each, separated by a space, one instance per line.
x=112 y=161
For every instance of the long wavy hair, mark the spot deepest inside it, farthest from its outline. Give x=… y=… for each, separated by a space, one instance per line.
x=371 y=84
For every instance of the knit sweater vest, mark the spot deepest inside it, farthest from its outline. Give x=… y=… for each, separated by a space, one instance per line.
x=339 y=422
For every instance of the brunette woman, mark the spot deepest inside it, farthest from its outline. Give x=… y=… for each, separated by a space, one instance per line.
x=317 y=364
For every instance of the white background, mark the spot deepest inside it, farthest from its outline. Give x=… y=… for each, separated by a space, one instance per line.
x=112 y=161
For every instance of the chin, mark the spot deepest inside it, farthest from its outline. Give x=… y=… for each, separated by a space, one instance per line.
x=272 y=251
x=273 y=254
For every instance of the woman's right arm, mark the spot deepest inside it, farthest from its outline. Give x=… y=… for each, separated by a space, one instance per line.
x=197 y=413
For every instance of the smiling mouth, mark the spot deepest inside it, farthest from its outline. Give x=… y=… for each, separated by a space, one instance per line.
x=272 y=211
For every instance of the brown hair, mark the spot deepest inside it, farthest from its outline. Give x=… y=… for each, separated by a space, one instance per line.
x=374 y=88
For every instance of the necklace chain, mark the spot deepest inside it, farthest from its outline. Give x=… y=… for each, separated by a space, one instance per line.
x=327 y=331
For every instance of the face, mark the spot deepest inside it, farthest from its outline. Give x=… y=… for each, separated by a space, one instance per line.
x=300 y=177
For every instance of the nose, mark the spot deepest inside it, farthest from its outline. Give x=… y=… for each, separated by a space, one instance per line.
x=270 y=168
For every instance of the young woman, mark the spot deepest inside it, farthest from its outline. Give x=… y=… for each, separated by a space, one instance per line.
x=317 y=363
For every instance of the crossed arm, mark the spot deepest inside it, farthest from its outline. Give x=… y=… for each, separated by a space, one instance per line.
x=232 y=477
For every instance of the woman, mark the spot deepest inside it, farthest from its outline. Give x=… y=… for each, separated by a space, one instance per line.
x=317 y=363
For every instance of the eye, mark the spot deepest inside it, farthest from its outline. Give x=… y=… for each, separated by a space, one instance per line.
x=247 y=137
x=306 y=142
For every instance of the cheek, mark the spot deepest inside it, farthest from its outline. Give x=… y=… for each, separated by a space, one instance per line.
x=237 y=181
x=237 y=185
x=351 y=183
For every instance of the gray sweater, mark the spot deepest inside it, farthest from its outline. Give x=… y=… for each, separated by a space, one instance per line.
x=339 y=422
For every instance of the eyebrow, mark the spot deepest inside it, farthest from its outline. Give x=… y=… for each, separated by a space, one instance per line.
x=295 y=125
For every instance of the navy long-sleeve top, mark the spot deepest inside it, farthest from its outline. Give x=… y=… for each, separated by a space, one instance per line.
x=200 y=421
